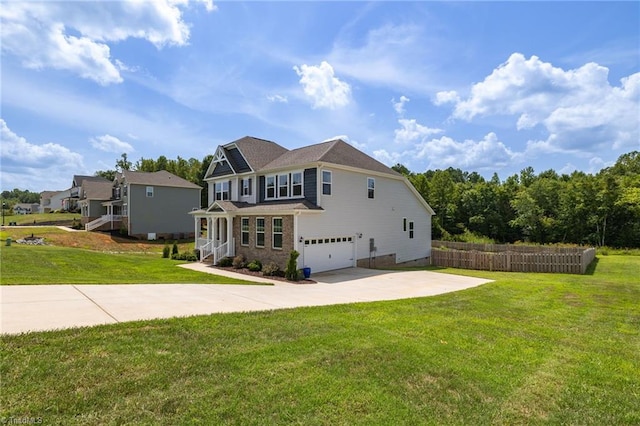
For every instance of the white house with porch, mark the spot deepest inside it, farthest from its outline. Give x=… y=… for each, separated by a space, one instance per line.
x=332 y=203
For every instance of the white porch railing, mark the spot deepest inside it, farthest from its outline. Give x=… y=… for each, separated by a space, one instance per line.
x=207 y=250
x=218 y=251
x=101 y=221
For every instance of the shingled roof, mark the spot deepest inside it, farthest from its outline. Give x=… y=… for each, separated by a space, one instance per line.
x=275 y=206
x=96 y=189
x=263 y=155
x=259 y=152
x=160 y=178
x=335 y=152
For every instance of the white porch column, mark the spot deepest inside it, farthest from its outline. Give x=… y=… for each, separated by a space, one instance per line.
x=196 y=224
x=229 y=236
x=212 y=230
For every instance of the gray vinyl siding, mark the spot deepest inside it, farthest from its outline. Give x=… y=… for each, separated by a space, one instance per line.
x=221 y=169
x=237 y=160
x=166 y=212
x=96 y=209
x=311 y=185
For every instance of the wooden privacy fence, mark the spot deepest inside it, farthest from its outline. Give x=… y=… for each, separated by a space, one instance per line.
x=511 y=258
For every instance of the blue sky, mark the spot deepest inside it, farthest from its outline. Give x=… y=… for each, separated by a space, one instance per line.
x=480 y=86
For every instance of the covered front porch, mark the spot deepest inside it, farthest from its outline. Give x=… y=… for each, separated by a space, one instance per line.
x=109 y=221
x=214 y=235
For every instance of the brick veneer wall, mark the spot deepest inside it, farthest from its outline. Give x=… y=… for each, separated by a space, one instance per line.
x=267 y=253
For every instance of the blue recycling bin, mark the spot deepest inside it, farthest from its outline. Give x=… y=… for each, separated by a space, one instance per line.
x=306 y=272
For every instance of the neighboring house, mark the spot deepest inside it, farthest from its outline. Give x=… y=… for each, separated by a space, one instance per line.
x=51 y=201
x=92 y=194
x=71 y=204
x=332 y=203
x=145 y=205
x=26 y=208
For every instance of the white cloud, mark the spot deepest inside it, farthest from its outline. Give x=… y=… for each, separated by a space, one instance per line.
x=74 y=36
x=278 y=98
x=321 y=85
x=390 y=158
x=446 y=97
x=110 y=143
x=488 y=153
x=30 y=166
x=396 y=56
x=412 y=131
x=399 y=106
x=578 y=108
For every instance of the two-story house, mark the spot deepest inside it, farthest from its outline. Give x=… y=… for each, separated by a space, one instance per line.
x=148 y=205
x=335 y=205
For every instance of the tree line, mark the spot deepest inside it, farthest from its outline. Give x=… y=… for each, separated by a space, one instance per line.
x=580 y=208
x=592 y=209
x=193 y=170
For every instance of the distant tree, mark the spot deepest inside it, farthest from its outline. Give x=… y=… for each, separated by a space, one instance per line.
x=107 y=174
x=123 y=163
x=402 y=170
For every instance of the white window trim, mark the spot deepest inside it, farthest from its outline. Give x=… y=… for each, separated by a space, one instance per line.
x=242 y=231
x=149 y=191
x=372 y=188
x=323 y=183
x=264 y=231
x=273 y=233
x=245 y=189
x=288 y=186
x=222 y=191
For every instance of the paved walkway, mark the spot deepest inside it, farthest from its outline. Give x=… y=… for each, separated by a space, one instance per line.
x=48 y=307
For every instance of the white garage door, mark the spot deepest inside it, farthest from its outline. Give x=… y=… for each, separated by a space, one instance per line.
x=325 y=254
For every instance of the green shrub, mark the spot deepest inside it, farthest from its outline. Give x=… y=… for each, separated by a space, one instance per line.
x=292 y=273
x=239 y=262
x=190 y=257
x=225 y=262
x=166 y=251
x=174 y=250
x=255 y=266
x=272 y=269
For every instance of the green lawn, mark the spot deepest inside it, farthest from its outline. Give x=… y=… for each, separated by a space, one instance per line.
x=64 y=265
x=525 y=349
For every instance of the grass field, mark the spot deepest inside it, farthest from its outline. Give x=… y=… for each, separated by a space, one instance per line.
x=40 y=218
x=93 y=258
x=526 y=349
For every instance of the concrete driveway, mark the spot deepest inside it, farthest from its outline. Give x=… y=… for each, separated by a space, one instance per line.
x=48 y=307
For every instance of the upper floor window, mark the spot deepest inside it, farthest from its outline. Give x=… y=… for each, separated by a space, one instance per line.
x=296 y=184
x=271 y=187
x=149 y=191
x=326 y=182
x=222 y=190
x=284 y=185
x=245 y=187
x=371 y=187
x=411 y=229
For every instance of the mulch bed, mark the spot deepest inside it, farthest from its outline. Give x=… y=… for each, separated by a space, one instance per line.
x=245 y=271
